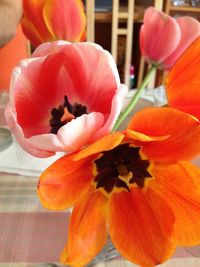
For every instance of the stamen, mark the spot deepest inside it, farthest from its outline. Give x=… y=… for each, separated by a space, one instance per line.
x=121 y=167
x=67 y=116
x=64 y=114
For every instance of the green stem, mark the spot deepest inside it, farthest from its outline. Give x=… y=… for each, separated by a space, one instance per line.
x=135 y=98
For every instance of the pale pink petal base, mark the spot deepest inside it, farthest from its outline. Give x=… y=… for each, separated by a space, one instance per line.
x=48 y=48
x=80 y=131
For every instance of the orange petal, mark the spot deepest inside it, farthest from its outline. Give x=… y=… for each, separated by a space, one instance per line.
x=144 y=138
x=106 y=143
x=87 y=230
x=183 y=82
x=180 y=185
x=31 y=32
x=183 y=129
x=65 y=19
x=64 y=182
x=141 y=226
x=33 y=12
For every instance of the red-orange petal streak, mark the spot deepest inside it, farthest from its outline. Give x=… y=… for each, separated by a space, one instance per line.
x=183 y=82
x=180 y=185
x=140 y=227
x=64 y=182
x=65 y=19
x=87 y=230
x=31 y=32
x=33 y=12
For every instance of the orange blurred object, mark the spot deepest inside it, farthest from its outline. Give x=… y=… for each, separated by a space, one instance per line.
x=10 y=55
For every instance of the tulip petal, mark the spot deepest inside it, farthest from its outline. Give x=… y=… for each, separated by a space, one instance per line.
x=166 y=121
x=33 y=12
x=64 y=182
x=106 y=143
x=25 y=143
x=49 y=48
x=117 y=104
x=32 y=94
x=190 y=30
x=93 y=80
x=147 y=224
x=31 y=32
x=87 y=230
x=79 y=131
x=162 y=26
x=65 y=19
x=161 y=121
x=180 y=184
x=183 y=93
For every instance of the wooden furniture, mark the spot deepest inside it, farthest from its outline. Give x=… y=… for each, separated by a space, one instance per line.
x=127 y=31
x=90 y=20
x=181 y=10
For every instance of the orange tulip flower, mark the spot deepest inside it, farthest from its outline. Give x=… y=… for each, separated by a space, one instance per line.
x=49 y=20
x=183 y=83
x=136 y=184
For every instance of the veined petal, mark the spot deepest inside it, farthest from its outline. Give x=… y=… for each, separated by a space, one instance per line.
x=93 y=80
x=87 y=230
x=183 y=129
x=184 y=93
x=31 y=32
x=159 y=47
x=33 y=12
x=65 y=19
x=147 y=224
x=32 y=93
x=190 y=30
x=79 y=131
x=116 y=108
x=179 y=183
x=64 y=182
x=156 y=122
x=106 y=143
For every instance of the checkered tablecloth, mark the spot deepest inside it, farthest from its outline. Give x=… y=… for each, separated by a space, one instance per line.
x=31 y=236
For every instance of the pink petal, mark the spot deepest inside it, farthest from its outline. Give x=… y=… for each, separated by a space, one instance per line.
x=160 y=35
x=92 y=80
x=25 y=143
x=35 y=95
x=190 y=30
x=117 y=104
x=49 y=48
x=79 y=131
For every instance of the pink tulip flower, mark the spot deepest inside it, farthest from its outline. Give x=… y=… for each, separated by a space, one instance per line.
x=163 y=39
x=49 y=20
x=66 y=96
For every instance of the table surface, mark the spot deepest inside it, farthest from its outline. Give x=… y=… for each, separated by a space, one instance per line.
x=31 y=235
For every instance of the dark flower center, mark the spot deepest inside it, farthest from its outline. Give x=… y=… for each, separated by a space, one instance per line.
x=121 y=167
x=64 y=114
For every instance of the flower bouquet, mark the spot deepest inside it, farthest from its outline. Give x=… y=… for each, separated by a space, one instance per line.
x=136 y=186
